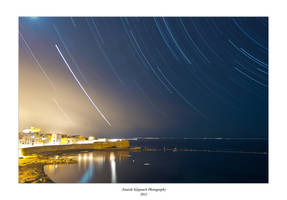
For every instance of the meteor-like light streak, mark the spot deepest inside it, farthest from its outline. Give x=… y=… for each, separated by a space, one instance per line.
x=96 y=107
x=36 y=60
x=61 y=109
x=70 y=54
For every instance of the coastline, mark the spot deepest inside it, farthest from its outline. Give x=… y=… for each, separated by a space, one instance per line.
x=75 y=147
x=31 y=167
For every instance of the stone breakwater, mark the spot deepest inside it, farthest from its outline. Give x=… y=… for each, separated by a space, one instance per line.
x=94 y=146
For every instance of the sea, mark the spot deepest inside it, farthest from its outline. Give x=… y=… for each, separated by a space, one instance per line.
x=170 y=160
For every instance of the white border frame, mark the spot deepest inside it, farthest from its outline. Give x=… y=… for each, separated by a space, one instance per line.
x=275 y=10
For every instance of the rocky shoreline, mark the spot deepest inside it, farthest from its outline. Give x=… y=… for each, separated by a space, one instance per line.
x=31 y=168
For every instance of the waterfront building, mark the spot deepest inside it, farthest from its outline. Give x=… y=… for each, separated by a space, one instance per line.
x=35 y=130
x=101 y=140
x=32 y=137
x=32 y=130
x=78 y=138
x=91 y=138
x=25 y=139
x=64 y=140
x=54 y=138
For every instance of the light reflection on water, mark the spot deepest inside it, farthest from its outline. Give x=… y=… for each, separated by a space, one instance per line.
x=113 y=167
x=161 y=167
x=91 y=167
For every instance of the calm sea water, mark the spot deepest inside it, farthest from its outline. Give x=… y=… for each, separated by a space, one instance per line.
x=227 y=161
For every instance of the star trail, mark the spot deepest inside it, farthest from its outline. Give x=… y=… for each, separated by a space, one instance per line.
x=145 y=76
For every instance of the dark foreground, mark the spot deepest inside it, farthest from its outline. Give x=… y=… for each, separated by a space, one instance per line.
x=31 y=168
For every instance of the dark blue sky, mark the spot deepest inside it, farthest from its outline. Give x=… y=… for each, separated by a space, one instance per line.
x=182 y=77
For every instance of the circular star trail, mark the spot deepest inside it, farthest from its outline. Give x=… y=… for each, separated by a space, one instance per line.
x=145 y=76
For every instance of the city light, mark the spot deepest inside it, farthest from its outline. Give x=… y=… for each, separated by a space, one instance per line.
x=33 y=137
x=112 y=156
x=85 y=157
x=113 y=168
x=20 y=153
x=91 y=156
x=115 y=140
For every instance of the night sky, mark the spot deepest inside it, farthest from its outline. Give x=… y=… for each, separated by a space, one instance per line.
x=128 y=77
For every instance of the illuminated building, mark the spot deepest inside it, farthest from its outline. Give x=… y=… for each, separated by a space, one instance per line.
x=35 y=130
x=32 y=137
x=54 y=138
x=91 y=138
x=64 y=140
x=32 y=130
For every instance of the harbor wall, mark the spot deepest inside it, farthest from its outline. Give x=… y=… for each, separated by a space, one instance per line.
x=94 y=146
